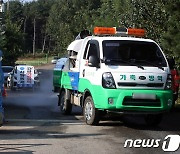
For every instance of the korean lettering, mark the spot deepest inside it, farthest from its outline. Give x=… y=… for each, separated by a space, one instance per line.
x=122 y=77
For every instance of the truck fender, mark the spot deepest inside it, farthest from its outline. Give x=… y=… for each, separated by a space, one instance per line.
x=85 y=94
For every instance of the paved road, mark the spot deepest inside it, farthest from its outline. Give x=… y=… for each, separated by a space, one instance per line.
x=35 y=125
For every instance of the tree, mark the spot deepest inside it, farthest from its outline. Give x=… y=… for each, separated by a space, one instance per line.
x=13 y=43
x=2 y=30
x=67 y=18
x=60 y=24
x=51 y=25
x=15 y=12
x=2 y=36
x=106 y=15
x=171 y=37
x=152 y=16
x=35 y=20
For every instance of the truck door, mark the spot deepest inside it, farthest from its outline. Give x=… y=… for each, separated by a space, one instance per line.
x=87 y=72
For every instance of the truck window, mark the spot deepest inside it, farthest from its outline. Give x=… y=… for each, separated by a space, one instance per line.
x=67 y=65
x=86 y=49
x=92 y=49
x=138 y=52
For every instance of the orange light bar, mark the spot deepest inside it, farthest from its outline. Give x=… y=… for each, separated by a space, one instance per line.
x=120 y=31
x=104 y=30
x=136 y=32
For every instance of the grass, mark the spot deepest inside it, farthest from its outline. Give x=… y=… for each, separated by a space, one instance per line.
x=34 y=61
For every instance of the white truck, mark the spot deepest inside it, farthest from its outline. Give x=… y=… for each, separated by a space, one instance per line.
x=115 y=72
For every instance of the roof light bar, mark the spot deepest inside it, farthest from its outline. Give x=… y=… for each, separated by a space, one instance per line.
x=136 y=32
x=104 y=30
x=120 y=31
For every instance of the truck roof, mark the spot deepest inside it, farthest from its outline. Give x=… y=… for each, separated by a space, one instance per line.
x=102 y=38
x=77 y=44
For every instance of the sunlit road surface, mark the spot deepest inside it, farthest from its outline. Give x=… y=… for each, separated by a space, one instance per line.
x=35 y=125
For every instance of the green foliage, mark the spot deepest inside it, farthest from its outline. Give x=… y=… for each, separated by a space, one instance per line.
x=172 y=36
x=2 y=31
x=152 y=16
x=60 y=33
x=2 y=38
x=58 y=22
x=68 y=18
x=13 y=45
x=15 y=12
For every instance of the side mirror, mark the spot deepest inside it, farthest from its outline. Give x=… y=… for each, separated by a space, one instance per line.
x=171 y=62
x=93 y=61
x=39 y=73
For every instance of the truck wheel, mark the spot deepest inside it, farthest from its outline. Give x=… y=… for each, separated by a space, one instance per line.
x=175 y=97
x=13 y=88
x=90 y=113
x=153 y=120
x=65 y=104
x=8 y=86
x=56 y=89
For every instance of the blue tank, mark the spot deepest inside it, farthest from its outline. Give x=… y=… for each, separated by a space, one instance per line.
x=1 y=90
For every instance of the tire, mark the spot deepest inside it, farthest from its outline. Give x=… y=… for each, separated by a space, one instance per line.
x=8 y=86
x=55 y=89
x=153 y=120
x=12 y=86
x=90 y=113
x=65 y=104
x=175 y=97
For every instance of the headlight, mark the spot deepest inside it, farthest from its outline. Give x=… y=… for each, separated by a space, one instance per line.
x=108 y=81
x=169 y=82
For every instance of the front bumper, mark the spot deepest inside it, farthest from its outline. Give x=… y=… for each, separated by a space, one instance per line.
x=122 y=100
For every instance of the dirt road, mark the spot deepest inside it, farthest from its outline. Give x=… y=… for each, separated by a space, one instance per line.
x=35 y=125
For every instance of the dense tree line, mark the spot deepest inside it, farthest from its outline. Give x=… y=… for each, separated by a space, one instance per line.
x=48 y=26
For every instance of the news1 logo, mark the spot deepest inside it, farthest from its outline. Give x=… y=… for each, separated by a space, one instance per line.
x=170 y=143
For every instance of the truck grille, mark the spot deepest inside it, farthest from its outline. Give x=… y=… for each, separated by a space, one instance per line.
x=134 y=84
x=128 y=101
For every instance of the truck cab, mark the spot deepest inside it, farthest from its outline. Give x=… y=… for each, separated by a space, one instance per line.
x=117 y=74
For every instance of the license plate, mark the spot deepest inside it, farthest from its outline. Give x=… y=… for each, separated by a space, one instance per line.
x=144 y=96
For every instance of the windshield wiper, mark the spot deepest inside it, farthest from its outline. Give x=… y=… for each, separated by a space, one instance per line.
x=148 y=62
x=120 y=60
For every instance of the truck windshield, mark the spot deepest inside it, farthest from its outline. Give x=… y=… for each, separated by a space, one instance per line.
x=136 y=53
